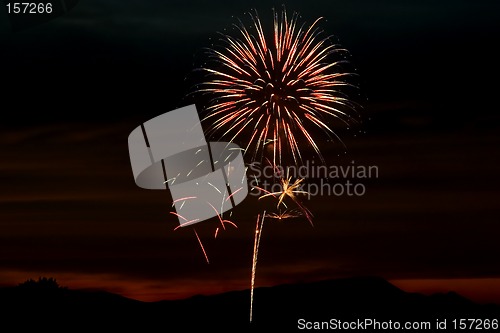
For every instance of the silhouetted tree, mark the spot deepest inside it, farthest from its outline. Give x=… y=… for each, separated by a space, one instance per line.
x=43 y=283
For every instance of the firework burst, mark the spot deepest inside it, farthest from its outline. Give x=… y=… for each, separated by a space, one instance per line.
x=283 y=215
x=277 y=89
x=291 y=190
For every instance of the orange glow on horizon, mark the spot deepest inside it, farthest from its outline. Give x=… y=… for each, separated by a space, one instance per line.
x=480 y=290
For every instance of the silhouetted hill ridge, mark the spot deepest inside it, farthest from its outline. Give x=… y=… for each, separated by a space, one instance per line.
x=278 y=307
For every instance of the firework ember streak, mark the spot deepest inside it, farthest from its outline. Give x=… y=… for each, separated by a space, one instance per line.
x=170 y=151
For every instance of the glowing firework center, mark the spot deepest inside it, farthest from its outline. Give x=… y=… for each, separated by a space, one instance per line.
x=170 y=151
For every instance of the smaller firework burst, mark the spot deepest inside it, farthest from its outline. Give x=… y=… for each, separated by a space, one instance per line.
x=290 y=190
x=283 y=215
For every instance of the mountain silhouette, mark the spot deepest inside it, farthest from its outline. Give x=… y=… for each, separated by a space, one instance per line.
x=276 y=308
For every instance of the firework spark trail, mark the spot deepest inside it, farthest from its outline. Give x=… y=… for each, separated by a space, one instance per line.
x=191 y=222
x=277 y=88
x=306 y=212
x=229 y=197
x=258 y=234
x=186 y=223
x=222 y=221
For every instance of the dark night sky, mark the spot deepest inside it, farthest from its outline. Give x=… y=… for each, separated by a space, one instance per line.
x=75 y=87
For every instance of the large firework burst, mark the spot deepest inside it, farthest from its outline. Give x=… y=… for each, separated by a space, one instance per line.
x=277 y=87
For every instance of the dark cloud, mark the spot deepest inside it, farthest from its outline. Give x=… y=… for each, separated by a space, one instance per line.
x=70 y=208
x=125 y=57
